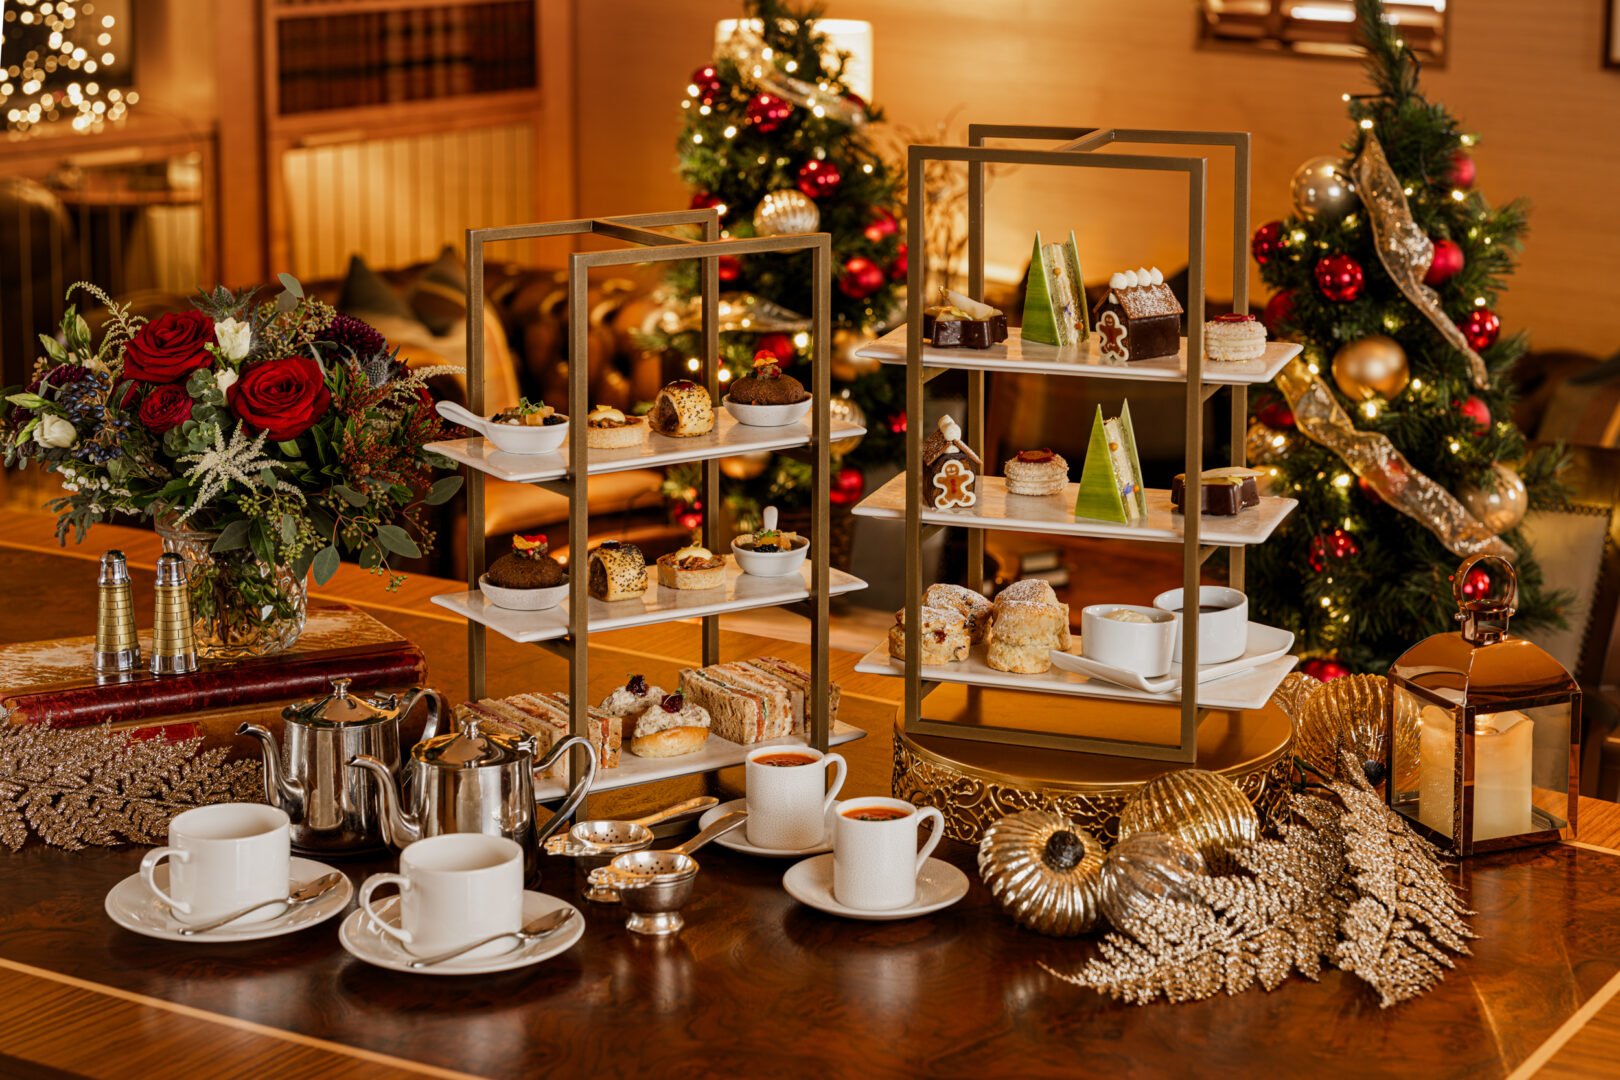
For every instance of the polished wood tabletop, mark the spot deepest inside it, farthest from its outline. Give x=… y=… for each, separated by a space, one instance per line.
x=757 y=984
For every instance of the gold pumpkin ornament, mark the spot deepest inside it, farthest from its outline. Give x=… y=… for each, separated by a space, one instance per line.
x=1044 y=871
x=1204 y=809
x=1353 y=709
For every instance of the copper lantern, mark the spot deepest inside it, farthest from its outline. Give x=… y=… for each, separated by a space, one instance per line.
x=1495 y=763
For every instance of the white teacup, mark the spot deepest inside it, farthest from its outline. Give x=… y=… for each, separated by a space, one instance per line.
x=223 y=858
x=453 y=889
x=875 y=856
x=788 y=801
x=1223 y=629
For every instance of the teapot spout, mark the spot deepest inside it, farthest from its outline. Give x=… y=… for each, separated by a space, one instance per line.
x=398 y=827
x=284 y=792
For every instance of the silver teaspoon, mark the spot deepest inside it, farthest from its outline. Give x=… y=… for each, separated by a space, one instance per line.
x=308 y=892
x=544 y=926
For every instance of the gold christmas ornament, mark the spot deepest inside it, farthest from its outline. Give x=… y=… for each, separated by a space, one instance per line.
x=846 y=366
x=1145 y=870
x=117 y=648
x=1351 y=711
x=787 y=211
x=1373 y=366
x=1266 y=445
x=842 y=408
x=174 y=646
x=1322 y=186
x=1204 y=809
x=745 y=466
x=1044 y=871
x=1502 y=507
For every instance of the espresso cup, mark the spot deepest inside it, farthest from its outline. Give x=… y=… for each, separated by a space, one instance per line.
x=875 y=856
x=454 y=889
x=788 y=795
x=224 y=858
x=1223 y=622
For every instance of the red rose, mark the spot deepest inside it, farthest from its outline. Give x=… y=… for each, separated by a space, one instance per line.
x=165 y=407
x=170 y=348
x=284 y=397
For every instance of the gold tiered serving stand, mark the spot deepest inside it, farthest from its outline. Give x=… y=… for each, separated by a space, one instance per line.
x=977 y=746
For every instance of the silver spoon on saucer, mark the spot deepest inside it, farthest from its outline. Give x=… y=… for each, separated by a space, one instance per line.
x=541 y=927
x=308 y=892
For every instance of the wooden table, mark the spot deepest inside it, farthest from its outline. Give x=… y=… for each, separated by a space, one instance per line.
x=756 y=985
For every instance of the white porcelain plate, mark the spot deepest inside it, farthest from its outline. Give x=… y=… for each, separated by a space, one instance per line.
x=1266 y=643
x=131 y=905
x=363 y=941
x=938 y=886
x=737 y=839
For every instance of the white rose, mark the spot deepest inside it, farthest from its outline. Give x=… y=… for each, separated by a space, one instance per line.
x=54 y=431
x=234 y=338
x=225 y=379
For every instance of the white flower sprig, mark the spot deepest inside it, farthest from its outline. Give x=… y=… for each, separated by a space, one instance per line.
x=239 y=461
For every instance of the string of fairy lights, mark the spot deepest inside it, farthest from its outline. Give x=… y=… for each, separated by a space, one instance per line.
x=55 y=61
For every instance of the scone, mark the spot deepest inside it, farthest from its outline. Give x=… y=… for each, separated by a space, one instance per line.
x=683 y=409
x=972 y=606
x=692 y=567
x=632 y=699
x=670 y=728
x=607 y=428
x=944 y=636
x=1036 y=472
x=1028 y=623
x=618 y=571
x=1234 y=338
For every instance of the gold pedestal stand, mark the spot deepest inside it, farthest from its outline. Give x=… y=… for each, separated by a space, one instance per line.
x=975 y=782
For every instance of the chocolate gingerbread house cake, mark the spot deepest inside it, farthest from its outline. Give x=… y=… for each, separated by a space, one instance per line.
x=1139 y=318
x=950 y=469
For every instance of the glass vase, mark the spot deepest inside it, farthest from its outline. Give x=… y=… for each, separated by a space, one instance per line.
x=241 y=606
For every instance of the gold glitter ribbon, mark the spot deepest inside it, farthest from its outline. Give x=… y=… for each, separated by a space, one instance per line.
x=1373 y=458
x=746 y=45
x=1406 y=250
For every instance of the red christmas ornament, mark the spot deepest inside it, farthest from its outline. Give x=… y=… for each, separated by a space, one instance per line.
x=861 y=278
x=1279 y=309
x=1461 y=173
x=847 y=487
x=1275 y=413
x=1476 y=410
x=819 y=179
x=900 y=265
x=767 y=112
x=778 y=345
x=688 y=515
x=1447 y=264
x=730 y=269
x=1481 y=327
x=1269 y=240
x=1339 y=277
x=881 y=225
x=897 y=423
x=1333 y=545
x=1324 y=668
x=708 y=84
x=1477 y=585
x=703 y=200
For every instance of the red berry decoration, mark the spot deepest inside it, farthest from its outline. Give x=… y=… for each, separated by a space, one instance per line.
x=1481 y=327
x=708 y=83
x=861 y=278
x=1447 y=263
x=1339 y=277
x=779 y=346
x=882 y=225
x=847 y=487
x=1477 y=411
x=730 y=269
x=819 y=179
x=1324 y=668
x=1269 y=240
x=1461 y=173
x=1279 y=309
x=900 y=265
x=767 y=112
x=1333 y=545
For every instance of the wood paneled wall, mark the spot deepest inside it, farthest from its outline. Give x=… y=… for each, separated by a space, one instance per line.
x=1526 y=76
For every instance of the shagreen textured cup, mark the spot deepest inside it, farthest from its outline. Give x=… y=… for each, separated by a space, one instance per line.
x=788 y=803
x=1223 y=622
x=223 y=858
x=875 y=856
x=453 y=889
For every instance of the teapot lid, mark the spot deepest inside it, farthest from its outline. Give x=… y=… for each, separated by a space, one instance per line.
x=470 y=748
x=340 y=708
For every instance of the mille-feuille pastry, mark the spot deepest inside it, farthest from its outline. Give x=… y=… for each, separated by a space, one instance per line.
x=1234 y=337
x=1029 y=622
x=944 y=638
x=1221 y=492
x=607 y=428
x=797 y=681
x=972 y=606
x=692 y=567
x=1036 y=472
x=670 y=728
x=743 y=706
x=635 y=697
x=682 y=410
x=618 y=571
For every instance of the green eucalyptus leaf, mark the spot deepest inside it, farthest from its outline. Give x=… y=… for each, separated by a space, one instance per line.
x=398 y=541
x=291 y=284
x=349 y=495
x=233 y=537
x=325 y=564
x=370 y=557
x=289 y=447
x=443 y=490
x=260 y=541
x=301 y=565
x=267 y=478
x=289 y=529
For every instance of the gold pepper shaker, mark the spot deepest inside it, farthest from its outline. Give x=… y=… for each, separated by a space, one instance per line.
x=117 y=647
x=174 y=649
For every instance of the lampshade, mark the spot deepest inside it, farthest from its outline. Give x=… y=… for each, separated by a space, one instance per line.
x=852 y=36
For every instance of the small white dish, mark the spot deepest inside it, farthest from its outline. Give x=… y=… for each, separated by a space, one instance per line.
x=363 y=941
x=737 y=839
x=131 y=905
x=938 y=886
x=1144 y=648
x=508 y=438
x=770 y=563
x=1265 y=644
x=523 y=599
x=768 y=415
x=1223 y=632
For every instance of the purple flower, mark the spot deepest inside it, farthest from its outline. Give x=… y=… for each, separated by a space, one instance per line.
x=355 y=338
x=59 y=376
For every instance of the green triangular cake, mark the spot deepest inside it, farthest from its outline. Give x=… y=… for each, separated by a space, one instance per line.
x=1055 y=310
x=1111 y=480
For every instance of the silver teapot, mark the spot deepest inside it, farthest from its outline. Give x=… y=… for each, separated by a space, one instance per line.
x=474 y=781
x=334 y=809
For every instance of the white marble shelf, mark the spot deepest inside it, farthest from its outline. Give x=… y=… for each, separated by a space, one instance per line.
x=1054 y=515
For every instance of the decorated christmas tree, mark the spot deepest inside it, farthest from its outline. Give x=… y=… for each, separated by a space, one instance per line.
x=1393 y=429
x=775 y=138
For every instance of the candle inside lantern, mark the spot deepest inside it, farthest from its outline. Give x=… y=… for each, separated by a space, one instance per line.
x=1503 y=746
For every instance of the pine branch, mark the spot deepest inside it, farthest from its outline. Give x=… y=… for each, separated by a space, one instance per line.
x=1390 y=64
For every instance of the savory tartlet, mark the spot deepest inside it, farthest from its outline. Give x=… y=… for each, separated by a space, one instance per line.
x=692 y=567
x=607 y=428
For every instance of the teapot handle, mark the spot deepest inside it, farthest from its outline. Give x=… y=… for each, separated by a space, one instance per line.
x=576 y=795
x=435 y=702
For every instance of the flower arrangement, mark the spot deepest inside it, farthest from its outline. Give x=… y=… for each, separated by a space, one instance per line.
x=267 y=439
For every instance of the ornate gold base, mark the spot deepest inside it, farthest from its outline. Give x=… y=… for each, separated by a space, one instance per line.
x=975 y=782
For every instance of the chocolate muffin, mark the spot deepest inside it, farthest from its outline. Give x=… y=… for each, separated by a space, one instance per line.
x=528 y=566
x=767 y=385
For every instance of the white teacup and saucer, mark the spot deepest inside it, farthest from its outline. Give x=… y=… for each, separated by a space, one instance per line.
x=876 y=871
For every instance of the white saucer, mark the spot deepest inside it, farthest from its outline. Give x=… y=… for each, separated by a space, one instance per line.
x=365 y=942
x=131 y=905
x=737 y=839
x=1266 y=643
x=938 y=886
